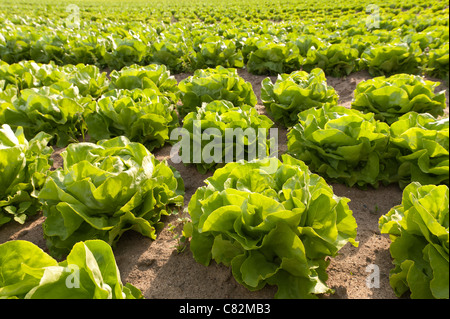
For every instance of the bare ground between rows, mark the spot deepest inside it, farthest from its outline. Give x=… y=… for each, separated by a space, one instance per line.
x=160 y=271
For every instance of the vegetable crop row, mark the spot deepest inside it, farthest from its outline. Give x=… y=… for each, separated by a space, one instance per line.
x=401 y=43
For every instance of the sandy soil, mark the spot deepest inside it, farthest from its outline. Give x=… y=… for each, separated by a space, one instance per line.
x=160 y=271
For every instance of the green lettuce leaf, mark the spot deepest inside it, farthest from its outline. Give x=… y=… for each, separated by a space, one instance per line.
x=272 y=58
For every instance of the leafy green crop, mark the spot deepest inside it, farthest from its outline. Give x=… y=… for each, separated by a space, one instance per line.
x=388 y=59
x=418 y=229
x=389 y=98
x=28 y=74
x=23 y=169
x=420 y=143
x=213 y=51
x=152 y=76
x=89 y=272
x=274 y=58
x=217 y=121
x=438 y=62
x=104 y=190
x=296 y=92
x=342 y=145
x=207 y=85
x=56 y=110
x=336 y=59
x=273 y=222
x=142 y=115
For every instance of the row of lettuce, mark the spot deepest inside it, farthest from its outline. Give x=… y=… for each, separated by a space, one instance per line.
x=273 y=221
x=391 y=134
x=384 y=43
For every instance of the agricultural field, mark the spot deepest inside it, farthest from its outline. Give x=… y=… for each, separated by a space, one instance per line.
x=215 y=150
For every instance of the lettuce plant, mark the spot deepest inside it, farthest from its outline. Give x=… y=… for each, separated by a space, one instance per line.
x=89 y=272
x=89 y=80
x=207 y=85
x=418 y=229
x=125 y=52
x=342 y=145
x=104 y=190
x=274 y=58
x=152 y=76
x=214 y=50
x=389 y=59
x=420 y=143
x=23 y=170
x=228 y=132
x=296 y=92
x=28 y=74
x=56 y=110
x=142 y=115
x=389 y=98
x=337 y=59
x=273 y=222
x=437 y=64
x=170 y=50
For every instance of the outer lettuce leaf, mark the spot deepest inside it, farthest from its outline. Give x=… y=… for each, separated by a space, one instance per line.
x=89 y=272
x=389 y=98
x=273 y=222
x=420 y=143
x=104 y=190
x=216 y=119
x=23 y=169
x=342 y=145
x=418 y=229
x=296 y=92
x=207 y=85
